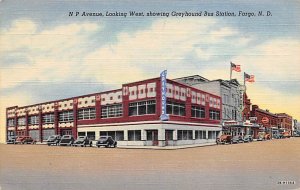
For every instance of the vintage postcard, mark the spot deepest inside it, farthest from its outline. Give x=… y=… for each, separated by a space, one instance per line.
x=150 y=94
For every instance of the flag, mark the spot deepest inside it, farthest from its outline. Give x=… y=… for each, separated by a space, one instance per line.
x=235 y=67
x=249 y=78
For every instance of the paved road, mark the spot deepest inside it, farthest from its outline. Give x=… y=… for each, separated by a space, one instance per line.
x=257 y=165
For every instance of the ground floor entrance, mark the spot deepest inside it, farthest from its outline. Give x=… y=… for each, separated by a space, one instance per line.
x=152 y=136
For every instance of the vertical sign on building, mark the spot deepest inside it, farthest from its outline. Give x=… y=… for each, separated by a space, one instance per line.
x=163 y=78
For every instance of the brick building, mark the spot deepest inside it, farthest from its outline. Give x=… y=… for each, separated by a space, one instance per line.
x=267 y=121
x=285 y=121
x=130 y=114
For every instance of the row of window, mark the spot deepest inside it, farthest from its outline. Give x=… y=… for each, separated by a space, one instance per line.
x=135 y=135
x=116 y=110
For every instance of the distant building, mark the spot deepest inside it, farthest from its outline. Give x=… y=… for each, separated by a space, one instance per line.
x=285 y=121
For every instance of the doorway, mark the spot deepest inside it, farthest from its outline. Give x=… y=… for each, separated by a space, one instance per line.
x=152 y=135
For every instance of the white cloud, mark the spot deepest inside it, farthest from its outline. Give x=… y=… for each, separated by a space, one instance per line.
x=274 y=60
x=49 y=55
x=166 y=44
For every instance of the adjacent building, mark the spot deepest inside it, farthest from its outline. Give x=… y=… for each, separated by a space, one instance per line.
x=231 y=92
x=285 y=121
x=267 y=121
x=131 y=115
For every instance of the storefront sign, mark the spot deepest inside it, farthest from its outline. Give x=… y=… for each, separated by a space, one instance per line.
x=163 y=77
x=252 y=118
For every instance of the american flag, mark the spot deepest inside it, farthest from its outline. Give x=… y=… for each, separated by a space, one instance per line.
x=235 y=67
x=249 y=78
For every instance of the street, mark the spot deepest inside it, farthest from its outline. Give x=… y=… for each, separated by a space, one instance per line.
x=273 y=164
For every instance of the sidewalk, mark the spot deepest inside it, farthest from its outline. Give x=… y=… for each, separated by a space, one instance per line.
x=167 y=147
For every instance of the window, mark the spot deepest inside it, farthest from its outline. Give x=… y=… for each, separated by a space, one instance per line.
x=33 y=120
x=198 y=112
x=88 y=113
x=66 y=116
x=142 y=108
x=11 y=122
x=21 y=121
x=81 y=134
x=212 y=134
x=91 y=135
x=115 y=110
x=215 y=115
x=134 y=135
x=48 y=118
x=184 y=134
x=200 y=134
x=175 y=108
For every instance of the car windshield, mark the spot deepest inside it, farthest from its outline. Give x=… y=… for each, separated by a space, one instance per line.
x=81 y=137
x=66 y=137
x=52 y=137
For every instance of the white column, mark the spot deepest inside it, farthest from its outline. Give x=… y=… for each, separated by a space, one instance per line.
x=143 y=135
x=206 y=134
x=125 y=135
x=194 y=135
x=97 y=135
x=161 y=134
x=175 y=134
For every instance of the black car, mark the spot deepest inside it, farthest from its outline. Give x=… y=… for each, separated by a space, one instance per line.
x=248 y=138
x=11 y=140
x=66 y=140
x=106 y=141
x=53 y=140
x=83 y=141
x=277 y=136
x=237 y=139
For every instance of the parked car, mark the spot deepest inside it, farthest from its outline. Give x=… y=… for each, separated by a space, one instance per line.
x=53 y=140
x=247 y=138
x=286 y=134
x=261 y=136
x=11 y=140
x=83 y=141
x=66 y=140
x=236 y=139
x=296 y=133
x=25 y=140
x=223 y=139
x=267 y=136
x=277 y=136
x=106 y=141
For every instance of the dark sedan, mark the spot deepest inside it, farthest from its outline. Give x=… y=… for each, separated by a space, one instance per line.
x=248 y=138
x=106 y=141
x=66 y=140
x=11 y=140
x=53 y=140
x=83 y=141
x=236 y=139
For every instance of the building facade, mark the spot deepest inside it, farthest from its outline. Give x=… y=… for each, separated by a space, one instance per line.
x=285 y=121
x=267 y=121
x=131 y=115
x=232 y=100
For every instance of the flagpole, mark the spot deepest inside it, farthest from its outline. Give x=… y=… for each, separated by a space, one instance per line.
x=230 y=71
